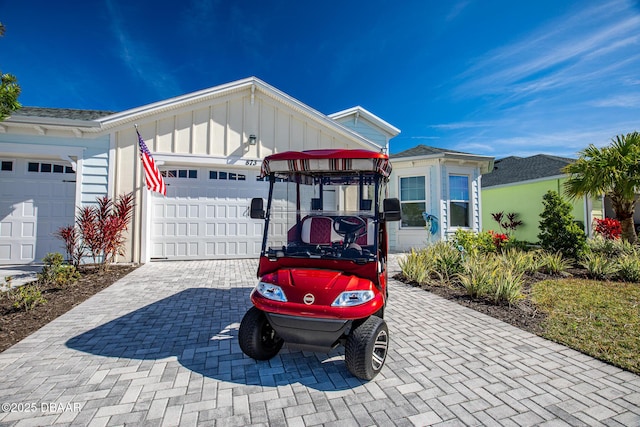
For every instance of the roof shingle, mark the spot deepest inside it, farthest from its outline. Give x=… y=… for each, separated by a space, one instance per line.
x=61 y=113
x=517 y=169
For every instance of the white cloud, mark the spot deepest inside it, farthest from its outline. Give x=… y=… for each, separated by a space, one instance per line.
x=560 y=54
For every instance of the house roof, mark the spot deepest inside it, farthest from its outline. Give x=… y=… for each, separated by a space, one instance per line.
x=425 y=150
x=517 y=169
x=359 y=111
x=252 y=84
x=95 y=121
x=61 y=113
x=421 y=152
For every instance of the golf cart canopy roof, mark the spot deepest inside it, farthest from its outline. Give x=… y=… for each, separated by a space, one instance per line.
x=326 y=161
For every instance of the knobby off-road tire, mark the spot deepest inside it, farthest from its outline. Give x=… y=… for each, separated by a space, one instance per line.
x=366 y=348
x=256 y=337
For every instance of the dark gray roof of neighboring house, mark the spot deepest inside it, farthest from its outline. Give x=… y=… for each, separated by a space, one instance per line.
x=424 y=150
x=61 y=113
x=516 y=169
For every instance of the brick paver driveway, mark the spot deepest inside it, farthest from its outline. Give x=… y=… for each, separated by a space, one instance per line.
x=159 y=347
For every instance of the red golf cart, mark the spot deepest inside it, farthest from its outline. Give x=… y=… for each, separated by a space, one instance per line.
x=323 y=266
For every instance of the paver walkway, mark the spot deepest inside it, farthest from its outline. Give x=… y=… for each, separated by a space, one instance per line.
x=159 y=348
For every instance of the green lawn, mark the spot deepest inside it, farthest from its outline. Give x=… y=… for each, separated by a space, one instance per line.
x=599 y=318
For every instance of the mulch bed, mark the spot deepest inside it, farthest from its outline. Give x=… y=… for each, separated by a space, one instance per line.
x=524 y=314
x=16 y=324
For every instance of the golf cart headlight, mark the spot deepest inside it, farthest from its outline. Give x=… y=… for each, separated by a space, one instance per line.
x=271 y=291
x=351 y=298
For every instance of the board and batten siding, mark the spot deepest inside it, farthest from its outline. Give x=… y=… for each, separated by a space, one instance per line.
x=215 y=132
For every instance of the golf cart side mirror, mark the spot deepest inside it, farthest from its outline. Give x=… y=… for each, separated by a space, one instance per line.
x=257 y=208
x=391 y=208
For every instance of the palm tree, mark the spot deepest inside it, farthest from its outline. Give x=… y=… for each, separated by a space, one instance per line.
x=613 y=170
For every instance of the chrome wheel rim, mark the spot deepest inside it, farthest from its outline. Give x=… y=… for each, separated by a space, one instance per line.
x=380 y=350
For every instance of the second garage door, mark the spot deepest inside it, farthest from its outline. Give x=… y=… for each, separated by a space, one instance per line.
x=37 y=197
x=205 y=215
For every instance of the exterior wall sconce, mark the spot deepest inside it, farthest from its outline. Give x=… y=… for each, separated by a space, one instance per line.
x=252 y=140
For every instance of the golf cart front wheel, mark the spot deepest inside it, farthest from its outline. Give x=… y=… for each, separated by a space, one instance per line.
x=366 y=348
x=256 y=337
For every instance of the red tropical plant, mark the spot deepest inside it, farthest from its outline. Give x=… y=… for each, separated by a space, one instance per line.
x=609 y=228
x=499 y=239
x=71 y=239
x=99 y=230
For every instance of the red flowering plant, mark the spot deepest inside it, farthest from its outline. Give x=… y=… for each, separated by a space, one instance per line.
x=608 y=228
x=499 y=239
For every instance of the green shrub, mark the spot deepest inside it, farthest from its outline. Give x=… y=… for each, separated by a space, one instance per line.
x=474 y=243
x=629 y=268
x=599 y=266
x=558 y=230
x=56 y=272
x=553 y=263
x=27 y=297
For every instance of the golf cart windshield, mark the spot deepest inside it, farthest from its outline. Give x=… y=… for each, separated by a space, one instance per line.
x=325 y=210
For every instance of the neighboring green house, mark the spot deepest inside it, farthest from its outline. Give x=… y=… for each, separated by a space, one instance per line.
x=517 y=185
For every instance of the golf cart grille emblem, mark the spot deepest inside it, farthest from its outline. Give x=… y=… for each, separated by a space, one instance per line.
x=309 y=299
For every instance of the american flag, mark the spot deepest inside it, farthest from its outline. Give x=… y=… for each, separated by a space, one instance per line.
x=151 y=172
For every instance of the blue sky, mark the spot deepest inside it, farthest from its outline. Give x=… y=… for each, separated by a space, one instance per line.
x=489 y=77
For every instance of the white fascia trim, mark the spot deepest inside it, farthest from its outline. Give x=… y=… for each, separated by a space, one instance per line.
x=186 y=159
x=386 y=126
x=486 y=161
x=529 y=181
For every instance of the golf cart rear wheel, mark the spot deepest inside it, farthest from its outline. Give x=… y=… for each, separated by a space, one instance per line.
x=366 y=348
x=257 y=338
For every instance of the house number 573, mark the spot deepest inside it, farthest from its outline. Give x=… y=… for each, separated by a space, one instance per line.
x=251 y=162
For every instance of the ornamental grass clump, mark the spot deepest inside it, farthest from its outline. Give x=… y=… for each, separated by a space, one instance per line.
x=520 y=262
x=553 y=263
x=507 y=286
x=446 y=259
x=478 y=274
x=417 y=266
x=599 y=266
x=610 y=247
x=629 y=268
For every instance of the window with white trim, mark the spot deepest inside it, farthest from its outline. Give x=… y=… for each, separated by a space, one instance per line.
x=180 y=173
x=459 y=201
x=412 y=200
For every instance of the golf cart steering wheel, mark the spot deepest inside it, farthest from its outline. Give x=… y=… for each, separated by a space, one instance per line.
x=350 y=227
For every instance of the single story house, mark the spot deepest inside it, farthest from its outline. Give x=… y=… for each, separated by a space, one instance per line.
x=209 y=146
x=517 y=184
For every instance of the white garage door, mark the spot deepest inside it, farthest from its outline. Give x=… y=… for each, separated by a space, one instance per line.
x=205 y=215
x=37 y=197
